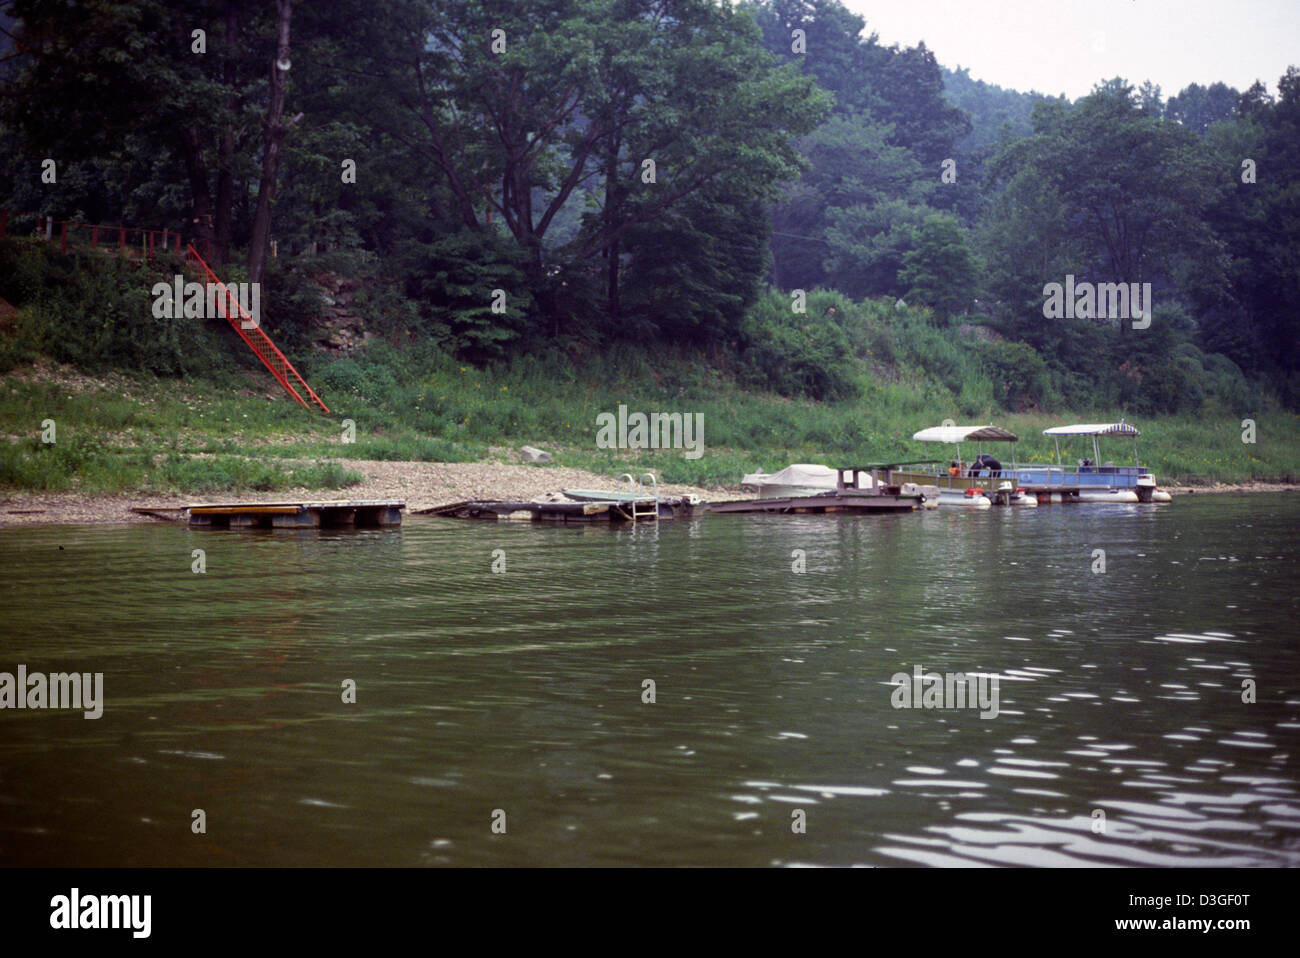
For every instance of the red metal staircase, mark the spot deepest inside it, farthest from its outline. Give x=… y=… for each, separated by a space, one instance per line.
x=258 y=341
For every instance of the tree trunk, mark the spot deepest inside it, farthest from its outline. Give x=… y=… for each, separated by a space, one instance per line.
x=226 y=163
x=257 y=247
x=200 y=192
x=612 y=195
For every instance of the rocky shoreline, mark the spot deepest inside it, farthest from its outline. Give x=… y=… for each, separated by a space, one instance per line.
x=420 y=484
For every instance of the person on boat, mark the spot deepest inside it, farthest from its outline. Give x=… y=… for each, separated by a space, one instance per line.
x=954 y=469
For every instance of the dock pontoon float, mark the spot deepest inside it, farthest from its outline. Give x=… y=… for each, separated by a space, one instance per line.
x=640 y=501
x=334 y=513
x=1091 y=480
x=977 y=483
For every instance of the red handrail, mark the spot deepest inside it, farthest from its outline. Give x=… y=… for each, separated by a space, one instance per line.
x=259 y=342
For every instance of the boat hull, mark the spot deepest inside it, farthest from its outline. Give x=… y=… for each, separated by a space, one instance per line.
x=1110 y=484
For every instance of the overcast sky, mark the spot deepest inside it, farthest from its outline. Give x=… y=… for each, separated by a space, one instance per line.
x=1067 y=46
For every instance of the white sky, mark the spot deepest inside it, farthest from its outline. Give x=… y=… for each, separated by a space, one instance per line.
x=1067 y=46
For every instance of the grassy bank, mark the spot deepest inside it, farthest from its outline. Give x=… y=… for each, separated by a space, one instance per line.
x=125 y=433
x=149 y=405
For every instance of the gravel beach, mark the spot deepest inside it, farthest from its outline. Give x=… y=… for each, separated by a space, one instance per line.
x=421 y=484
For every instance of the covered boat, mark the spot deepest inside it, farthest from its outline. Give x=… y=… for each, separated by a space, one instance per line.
x=1092 y=480
x=975 y=483
x=870 y=488
x=800 y=479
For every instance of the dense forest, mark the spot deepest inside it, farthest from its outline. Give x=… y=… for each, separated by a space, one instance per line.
x=765 y=185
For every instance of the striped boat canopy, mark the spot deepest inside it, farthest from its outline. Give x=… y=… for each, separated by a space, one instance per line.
x=964 y=434
x=1094 y=429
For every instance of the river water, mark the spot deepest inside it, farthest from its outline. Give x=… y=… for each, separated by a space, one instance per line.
x=502 y=718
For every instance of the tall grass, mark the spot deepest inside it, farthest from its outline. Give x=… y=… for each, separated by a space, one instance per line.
x=106 y=436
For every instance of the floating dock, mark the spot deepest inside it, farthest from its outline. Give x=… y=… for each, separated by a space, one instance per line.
x=884 y=495
x=339 y=513
x=609 y=511
x=850 y=502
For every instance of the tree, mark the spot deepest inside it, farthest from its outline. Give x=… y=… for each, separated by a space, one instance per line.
x=940 y=271
x=875 y=162
x=1254 y=315
x=83 y=72
x=275 y=130
x=1198 y=107
x=834 y=51
x=1126 y=188
x=579 y=95
x=853 y=165
x=867 y=244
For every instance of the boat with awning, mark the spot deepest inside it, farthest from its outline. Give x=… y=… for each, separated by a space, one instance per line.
x=975 y=482
x=1091 y=479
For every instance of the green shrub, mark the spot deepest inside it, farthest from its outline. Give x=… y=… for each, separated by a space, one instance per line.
x=1165 y=387
x=797 y=354
x=454 y=279
x=1017 y=373
x=95 y=311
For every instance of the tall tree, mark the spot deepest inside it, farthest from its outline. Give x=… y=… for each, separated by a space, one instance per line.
x=275 y=130
x=1198 y=107
x=84 y=70
x=642 y=103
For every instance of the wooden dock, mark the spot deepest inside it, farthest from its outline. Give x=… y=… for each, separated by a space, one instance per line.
x=334 y=514
x=559 y=511
x=884 y=495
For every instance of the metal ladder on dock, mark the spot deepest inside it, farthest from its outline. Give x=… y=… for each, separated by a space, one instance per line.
x=642 y=507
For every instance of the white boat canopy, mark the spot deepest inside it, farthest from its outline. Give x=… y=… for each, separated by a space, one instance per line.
x=1094 y=429
x=964 y=434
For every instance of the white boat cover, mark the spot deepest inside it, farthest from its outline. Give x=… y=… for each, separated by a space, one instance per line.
x=1094 y=429
x=799 y=476
x=964 y=434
